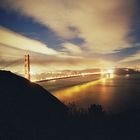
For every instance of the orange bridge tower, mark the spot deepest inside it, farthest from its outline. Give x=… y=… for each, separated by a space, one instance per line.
x=27 y=66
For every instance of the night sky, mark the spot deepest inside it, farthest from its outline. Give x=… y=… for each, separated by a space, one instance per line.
x=75 y=34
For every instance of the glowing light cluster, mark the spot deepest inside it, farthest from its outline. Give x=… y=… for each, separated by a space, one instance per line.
x=107 y=73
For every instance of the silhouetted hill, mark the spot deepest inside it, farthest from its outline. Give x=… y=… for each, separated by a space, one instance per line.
x=24 y=104
x=21 y=96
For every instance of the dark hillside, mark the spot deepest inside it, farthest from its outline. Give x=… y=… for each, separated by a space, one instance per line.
x=24 y=105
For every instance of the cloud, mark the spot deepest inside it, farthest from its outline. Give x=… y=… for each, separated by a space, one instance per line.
x=18 y=41
x=72 y=49
x=103 y=25
x=59 y=63
x=131 y=58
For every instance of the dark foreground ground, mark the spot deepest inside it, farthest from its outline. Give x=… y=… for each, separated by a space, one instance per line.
x=28 y=112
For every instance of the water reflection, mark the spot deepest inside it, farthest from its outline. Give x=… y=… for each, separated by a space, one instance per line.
x=86 y=94
x=73 y=91
x=114 y=93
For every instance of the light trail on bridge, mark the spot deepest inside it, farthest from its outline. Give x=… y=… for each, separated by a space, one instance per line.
x=104 y=74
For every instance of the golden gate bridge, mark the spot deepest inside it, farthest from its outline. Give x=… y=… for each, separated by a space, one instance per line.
x=28 y=75
x=107 y=74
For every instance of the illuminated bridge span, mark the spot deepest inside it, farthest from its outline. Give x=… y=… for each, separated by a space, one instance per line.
x=67 y=75
x=58 y=75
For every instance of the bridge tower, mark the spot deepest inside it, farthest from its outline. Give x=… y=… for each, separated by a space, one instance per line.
x=27 y=66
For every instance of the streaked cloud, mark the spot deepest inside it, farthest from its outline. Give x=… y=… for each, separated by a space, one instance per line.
x=131 y=60
x=18 y=41
x=103 y=25
x=72 y=49
x=134 y=57
x=60 y=63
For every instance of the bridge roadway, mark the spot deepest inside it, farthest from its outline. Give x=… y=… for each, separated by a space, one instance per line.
x=46 y=80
